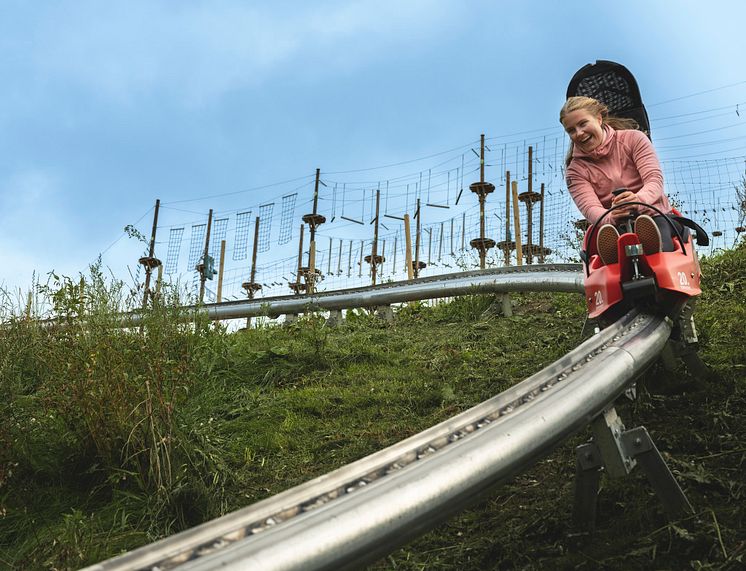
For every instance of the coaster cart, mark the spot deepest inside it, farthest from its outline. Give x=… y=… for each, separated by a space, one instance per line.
x=664 y=282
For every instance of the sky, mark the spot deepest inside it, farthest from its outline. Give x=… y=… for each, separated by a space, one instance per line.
x=107 y=106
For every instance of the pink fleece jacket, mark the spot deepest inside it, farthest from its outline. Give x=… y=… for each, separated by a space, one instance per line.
x=626 y=159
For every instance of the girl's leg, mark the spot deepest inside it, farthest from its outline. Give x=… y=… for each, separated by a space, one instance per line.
x=667 y=232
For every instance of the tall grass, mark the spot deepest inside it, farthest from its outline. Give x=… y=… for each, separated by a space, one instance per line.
x=90 y=406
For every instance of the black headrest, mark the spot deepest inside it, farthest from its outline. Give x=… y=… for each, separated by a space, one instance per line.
x=613 y=85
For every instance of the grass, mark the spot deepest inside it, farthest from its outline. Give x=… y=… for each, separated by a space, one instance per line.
x=112 y=438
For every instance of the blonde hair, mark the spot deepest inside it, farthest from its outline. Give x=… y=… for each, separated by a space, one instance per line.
x=594 y=107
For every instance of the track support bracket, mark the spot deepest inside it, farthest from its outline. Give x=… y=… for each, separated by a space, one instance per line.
x=617 y=451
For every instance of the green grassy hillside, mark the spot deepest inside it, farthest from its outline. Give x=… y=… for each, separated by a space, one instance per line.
x=110 y=439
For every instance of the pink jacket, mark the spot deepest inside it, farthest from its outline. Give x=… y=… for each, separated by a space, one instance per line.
x=626 y=159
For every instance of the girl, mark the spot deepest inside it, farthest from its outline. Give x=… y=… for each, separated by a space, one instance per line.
x=609 y=153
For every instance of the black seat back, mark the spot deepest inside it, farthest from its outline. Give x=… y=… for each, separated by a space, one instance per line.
x=613 y=85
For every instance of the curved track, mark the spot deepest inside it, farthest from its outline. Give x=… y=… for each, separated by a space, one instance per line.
x=545 y=277
x=363 y=510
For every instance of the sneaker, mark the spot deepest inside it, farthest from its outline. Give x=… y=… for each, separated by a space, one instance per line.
x=649 y=234
x=606 y=241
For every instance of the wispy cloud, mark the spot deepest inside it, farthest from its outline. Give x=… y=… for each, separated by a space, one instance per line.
x=201 y=50
x=35 y=223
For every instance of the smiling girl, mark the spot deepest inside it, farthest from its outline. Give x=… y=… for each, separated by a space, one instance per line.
x=609 y=153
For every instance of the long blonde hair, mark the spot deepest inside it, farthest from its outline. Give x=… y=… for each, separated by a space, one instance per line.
x=594 y=107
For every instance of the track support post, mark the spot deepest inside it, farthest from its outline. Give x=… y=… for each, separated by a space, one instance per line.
x=618 y=451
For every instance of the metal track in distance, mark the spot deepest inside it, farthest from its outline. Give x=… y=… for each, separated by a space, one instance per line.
x=362 y=511
x=544 y=277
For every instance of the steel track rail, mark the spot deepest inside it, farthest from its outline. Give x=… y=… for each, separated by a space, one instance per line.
x=544 y=277
x=366 y=509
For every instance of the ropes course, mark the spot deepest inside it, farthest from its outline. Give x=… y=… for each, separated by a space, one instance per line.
x=710 y=190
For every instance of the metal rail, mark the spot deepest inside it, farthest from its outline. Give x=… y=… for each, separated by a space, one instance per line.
x=364 y=510
x=548 y=277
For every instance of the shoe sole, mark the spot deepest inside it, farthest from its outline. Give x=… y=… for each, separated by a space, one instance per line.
x=606 y=244
x=649 y=234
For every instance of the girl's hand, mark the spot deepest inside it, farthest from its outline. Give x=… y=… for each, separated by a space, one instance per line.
x=621 y=198
x=622 y=213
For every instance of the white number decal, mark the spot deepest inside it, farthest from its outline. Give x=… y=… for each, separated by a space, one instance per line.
x=683 y=281
x=599 y=298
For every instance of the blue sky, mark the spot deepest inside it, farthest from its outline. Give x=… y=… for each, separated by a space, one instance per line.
x=106 y=106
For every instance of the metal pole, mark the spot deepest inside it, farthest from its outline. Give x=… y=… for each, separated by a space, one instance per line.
x=300 y=260
x=452 y=252
x=429 y=244
x=329 y=264
x=360 y=265
x=529 y=206
x=383 y=255
x=349 y=261
x=440 y=242
x=393 y=264
x=339 y=259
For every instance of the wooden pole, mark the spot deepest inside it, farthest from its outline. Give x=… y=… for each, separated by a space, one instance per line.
x=311 y=276
x=374 y=250
x=507 y=218
x=252 y=274
x=159 y=281
x=300 y=260
x=417 y=241
x=315 y=207
x=203 y=276
x=482 y=251
x=408 y=248
x=221 y=267
x=252 y=278
x=481 y=160
x=151 y=253
x=517 y=225
x=541 y=226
